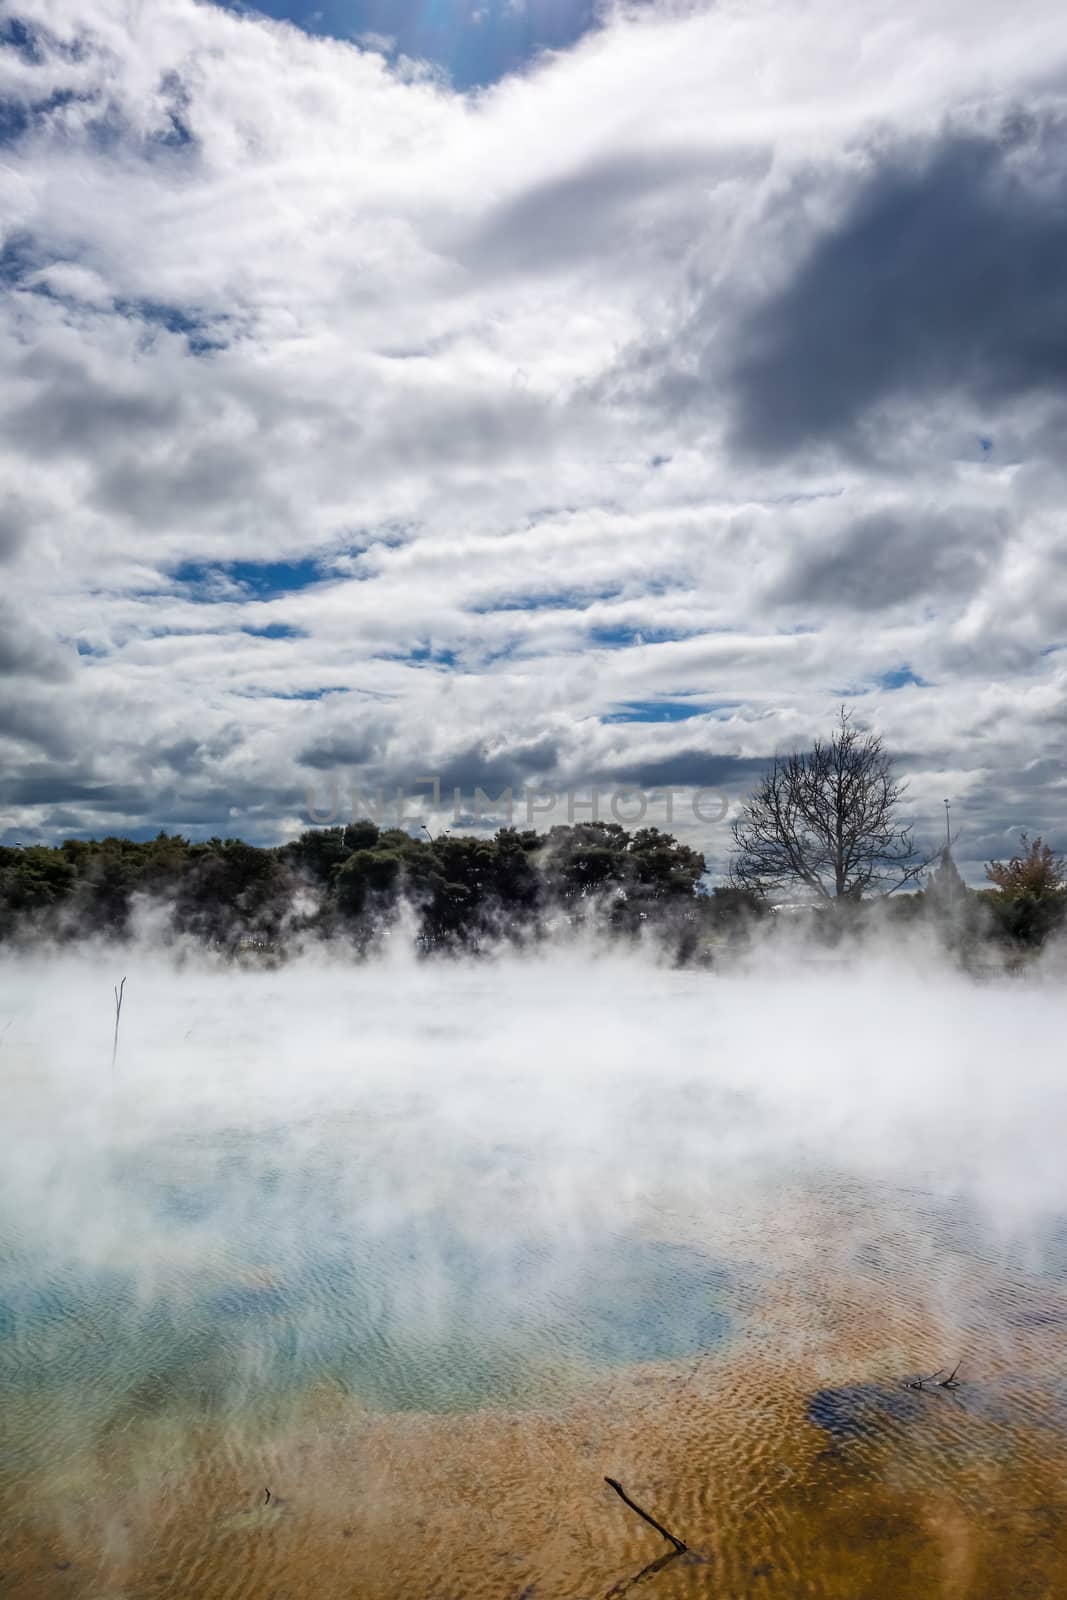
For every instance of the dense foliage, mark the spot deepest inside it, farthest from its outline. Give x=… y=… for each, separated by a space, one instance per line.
x=1032 y=900
x=458 y=892
x=356 y=881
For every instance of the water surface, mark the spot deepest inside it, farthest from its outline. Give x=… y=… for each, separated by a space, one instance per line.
x=361 y=1284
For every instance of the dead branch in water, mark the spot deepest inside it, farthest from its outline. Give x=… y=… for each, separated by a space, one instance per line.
x=118 y=1013
x=935 y=1380
x=920 y=1383
x=679 y=1544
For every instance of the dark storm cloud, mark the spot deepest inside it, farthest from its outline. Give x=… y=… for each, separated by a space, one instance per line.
x=696 y=769
x=949 y=273
x=27 y=721
x=359 y=755
x=891 y=556
x=184 y=755
x=338 y=750
x=46 y=785
x=76 y=802
x=513 y=768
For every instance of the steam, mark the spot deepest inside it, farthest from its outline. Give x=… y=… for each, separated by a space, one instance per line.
x=593 y=1077
x=314 y=1197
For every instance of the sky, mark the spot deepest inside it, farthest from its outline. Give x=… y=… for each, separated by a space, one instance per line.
x=531 y=396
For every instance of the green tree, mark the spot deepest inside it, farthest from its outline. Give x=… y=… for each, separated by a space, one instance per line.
x=35 y=878
x=1030 y=901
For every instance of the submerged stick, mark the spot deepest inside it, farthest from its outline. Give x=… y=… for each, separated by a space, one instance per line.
x=118 y=1014
x=678 y=1544
x=935 y=1380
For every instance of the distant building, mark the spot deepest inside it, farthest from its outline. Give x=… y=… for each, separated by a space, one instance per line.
x=945 y=886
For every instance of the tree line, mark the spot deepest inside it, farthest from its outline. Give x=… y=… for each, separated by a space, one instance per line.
x=357 y=881
x=822 y=824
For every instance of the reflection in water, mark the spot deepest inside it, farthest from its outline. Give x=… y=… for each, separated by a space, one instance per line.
x=380 y=1348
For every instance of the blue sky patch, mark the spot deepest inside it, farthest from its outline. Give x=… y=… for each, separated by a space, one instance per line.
x=200 y=334
x=276 y=630
x=429 y=654
x=558 y=600
x=252 y=580
x=475 y=42
x=14 y=120
x=318 y=693
x=17 y=258
x=16 y=116
x=657 y=711
x=623 y=638
x=902 y=677
x=15 y=34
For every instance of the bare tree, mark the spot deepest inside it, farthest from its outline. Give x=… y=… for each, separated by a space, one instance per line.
x=826 y=819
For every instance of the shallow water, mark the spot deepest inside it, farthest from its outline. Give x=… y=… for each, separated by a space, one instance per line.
x=367 y=1291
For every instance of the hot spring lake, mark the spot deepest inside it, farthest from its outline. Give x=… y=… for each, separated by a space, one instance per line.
x=357 y=1281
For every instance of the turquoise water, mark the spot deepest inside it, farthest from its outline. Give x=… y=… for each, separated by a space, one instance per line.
x=425 y=1264
x=256 y=1265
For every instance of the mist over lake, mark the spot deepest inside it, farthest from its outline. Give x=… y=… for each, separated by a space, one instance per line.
x=361 y=1279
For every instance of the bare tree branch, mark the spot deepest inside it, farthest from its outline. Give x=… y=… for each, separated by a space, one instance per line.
x=119 y=992
x=826 y=819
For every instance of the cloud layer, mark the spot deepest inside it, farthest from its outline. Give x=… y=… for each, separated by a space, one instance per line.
x=609 y=424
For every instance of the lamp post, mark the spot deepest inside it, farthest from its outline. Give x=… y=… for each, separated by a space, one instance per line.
x=948 y=830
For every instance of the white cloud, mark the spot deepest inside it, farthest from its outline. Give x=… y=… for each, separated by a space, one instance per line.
x=478 y=355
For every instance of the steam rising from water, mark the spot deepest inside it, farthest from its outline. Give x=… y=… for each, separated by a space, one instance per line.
x=600 y=1077
x=431 y=1188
